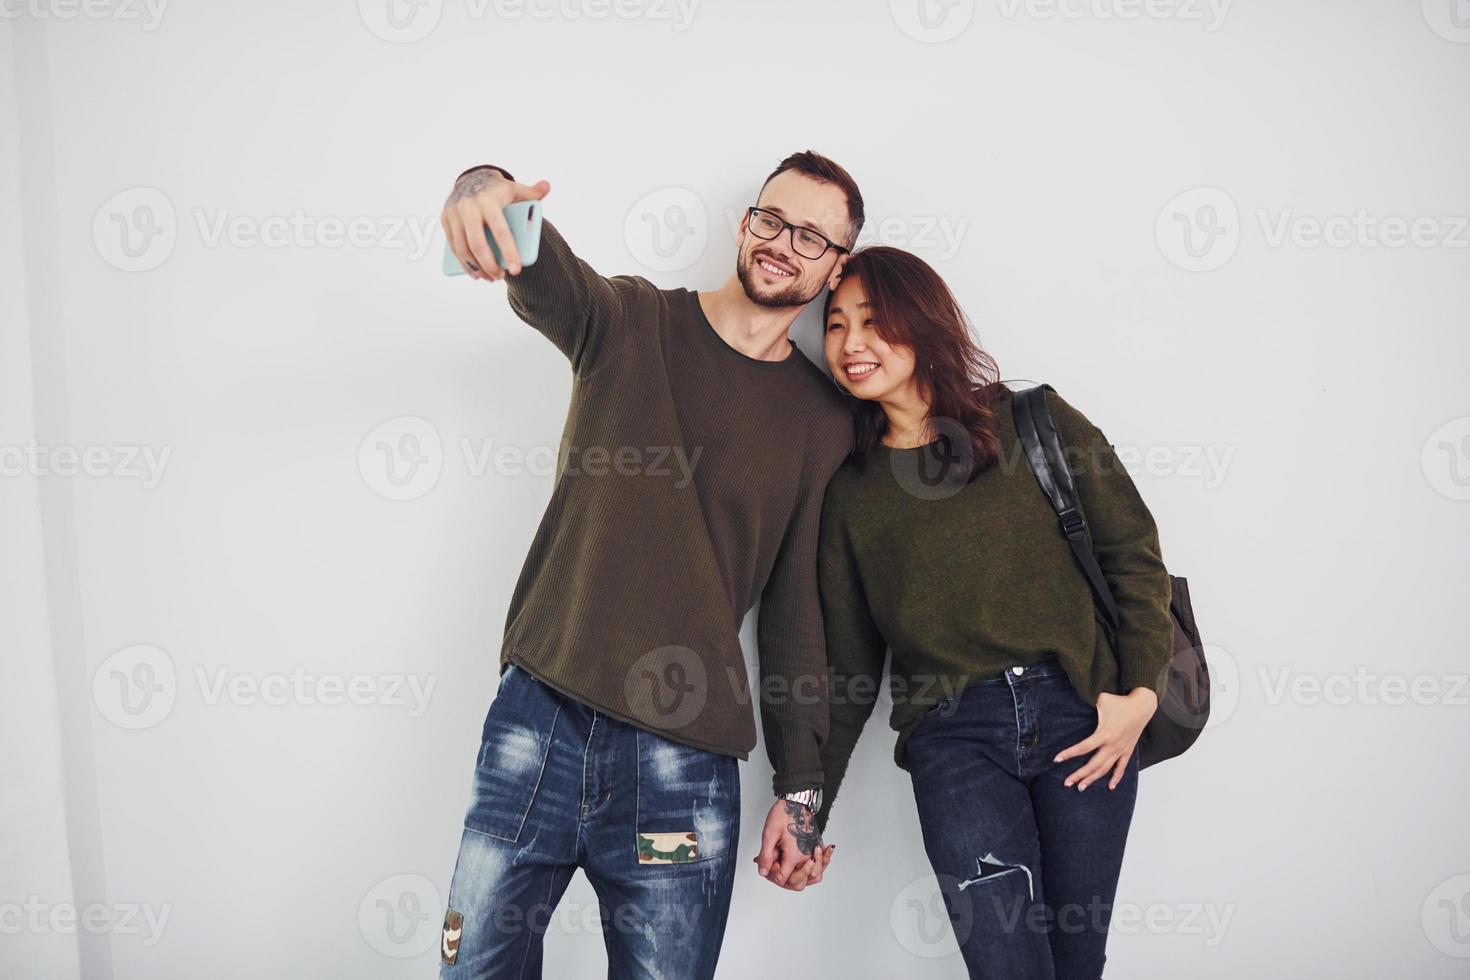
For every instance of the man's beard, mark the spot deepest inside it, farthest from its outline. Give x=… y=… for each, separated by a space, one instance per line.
x=789 y=296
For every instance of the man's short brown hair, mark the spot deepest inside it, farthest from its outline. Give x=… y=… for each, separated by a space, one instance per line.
x=818 y=167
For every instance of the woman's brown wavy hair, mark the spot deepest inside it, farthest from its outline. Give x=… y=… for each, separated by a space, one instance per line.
x=912 y=307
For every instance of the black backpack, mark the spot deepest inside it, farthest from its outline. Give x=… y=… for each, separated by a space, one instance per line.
x=1185 y=706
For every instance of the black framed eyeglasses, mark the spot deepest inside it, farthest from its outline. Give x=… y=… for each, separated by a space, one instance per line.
x=806 y=242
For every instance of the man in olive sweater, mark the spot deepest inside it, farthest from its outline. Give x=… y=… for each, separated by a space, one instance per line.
x=624 y=703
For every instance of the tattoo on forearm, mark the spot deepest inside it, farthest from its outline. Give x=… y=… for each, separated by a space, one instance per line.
x=803 y=827
x=473 y=182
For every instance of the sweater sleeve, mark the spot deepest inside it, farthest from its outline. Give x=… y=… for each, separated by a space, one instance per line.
x=855 y=652
x=567 y=301
x=576 y=309
x=793 y=674
x=1126 y=543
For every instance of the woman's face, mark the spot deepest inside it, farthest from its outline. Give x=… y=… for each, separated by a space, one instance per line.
x=862 y=362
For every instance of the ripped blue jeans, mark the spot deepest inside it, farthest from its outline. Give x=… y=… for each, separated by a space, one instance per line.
x=559 y=786
x=1028 y=868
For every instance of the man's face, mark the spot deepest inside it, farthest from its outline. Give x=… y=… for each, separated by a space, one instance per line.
x=772 y=273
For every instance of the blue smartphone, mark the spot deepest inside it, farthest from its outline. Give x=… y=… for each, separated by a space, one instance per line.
x=524 y=220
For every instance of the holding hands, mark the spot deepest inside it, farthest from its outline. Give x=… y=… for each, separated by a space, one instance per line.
x=792 y=854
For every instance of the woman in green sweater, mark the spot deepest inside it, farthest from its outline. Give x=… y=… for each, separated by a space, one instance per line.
x=1018 y=716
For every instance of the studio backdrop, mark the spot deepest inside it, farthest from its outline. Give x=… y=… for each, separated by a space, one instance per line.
x=269 y=475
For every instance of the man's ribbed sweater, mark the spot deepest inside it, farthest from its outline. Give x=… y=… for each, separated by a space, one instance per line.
x=639 y=576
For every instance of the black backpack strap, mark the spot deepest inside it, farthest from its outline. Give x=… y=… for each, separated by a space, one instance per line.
x=1043 y=448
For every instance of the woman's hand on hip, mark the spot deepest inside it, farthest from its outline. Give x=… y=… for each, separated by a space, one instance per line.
x=1120 y=723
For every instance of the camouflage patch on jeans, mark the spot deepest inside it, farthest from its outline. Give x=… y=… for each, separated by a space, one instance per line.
x=668 y=848
x=449 y=943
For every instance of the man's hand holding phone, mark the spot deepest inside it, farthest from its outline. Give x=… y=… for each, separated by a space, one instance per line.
x=478 y=204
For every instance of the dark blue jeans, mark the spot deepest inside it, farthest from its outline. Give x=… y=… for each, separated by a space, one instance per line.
x=1028 y=868
x=559 y=786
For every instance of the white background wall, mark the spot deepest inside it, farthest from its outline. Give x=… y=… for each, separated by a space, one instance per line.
x=1037 y=160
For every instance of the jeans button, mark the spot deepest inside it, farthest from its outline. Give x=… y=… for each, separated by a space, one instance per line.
x=1018 y=671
